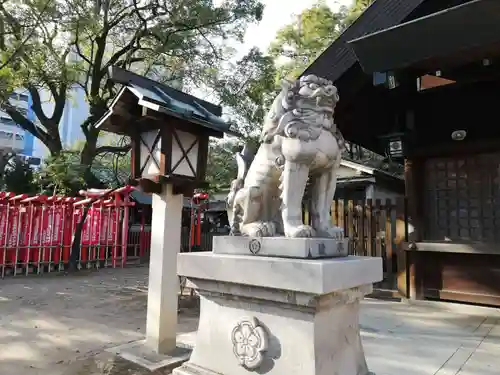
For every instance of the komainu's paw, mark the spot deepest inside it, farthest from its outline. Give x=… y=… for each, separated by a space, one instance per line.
x=299 y=231
x=269 y=228
x=259 y=229
x=330 y=232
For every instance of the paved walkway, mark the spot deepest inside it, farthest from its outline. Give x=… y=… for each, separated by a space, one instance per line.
x=430 y=338
x=61 y=325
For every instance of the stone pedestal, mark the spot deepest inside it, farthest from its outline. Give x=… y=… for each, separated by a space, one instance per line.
x=160 y=348
x=272 y=315
x=163 y=286
x=309 y=248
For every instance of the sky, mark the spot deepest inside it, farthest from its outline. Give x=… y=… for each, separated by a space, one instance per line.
x=278 y=13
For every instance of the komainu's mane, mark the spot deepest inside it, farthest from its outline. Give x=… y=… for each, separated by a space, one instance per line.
x=274 y=115
x=286 y=106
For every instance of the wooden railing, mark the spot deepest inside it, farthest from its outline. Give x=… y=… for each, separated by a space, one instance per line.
x=375 y=228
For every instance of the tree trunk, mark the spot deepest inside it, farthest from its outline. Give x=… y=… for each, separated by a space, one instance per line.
x=49 y=137
x=89 y=151
x=77 y=239
x=55 y=147
x=87 y=158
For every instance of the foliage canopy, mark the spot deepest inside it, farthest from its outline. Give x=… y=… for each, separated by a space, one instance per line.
x=51 y=48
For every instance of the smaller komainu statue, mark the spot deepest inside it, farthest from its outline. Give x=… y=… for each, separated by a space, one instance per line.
x=299 y=142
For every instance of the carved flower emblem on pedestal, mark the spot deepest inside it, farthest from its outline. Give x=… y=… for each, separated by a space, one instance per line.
x=249 y=342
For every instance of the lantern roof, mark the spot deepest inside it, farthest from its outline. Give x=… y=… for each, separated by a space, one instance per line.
x=138 y=91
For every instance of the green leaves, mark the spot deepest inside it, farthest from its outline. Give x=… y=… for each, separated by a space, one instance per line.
x=355 y=11
x=245 y=89
x=59 y=45
x=19 y=178
x=61 y=175
x=8 y=81
x=299 y=43
x=221 y=167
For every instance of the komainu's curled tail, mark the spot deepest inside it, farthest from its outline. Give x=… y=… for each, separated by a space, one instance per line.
x=243 y=161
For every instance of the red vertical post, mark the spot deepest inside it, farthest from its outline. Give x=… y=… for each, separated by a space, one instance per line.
x=86 y=233
x=5 y=239
x=74 y=222
x=43 y=231
x=102 y=225
x=114 y=237
x=125 y=228
x=51 y=233
x=4 y=219
x=16 y=253
x=29 y=235
x=192 y=227
x=64 y=226
x=34 y=228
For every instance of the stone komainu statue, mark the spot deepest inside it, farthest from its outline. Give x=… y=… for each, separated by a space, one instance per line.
x=299 y=142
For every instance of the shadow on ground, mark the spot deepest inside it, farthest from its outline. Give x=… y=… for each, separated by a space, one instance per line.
x=51 y=324
x=107 y=364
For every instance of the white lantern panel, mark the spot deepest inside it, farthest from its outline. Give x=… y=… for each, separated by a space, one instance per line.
x=188 y=147
x=150 y=153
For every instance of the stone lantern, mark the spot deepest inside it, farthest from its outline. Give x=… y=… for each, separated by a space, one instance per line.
x=169 y=131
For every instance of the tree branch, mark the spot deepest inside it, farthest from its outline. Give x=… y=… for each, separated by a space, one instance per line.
x=27 y=38
x=214 y=50
x=97 y=74
x=37 y=104
x=120 y=15
x=113 y=149
x=28 y=125
x=60 y=103
x=77 y=43
x=129 y=47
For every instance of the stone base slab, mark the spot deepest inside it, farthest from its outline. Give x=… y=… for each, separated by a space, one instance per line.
x=140 y=354
x=192 y=369
x=301 y=275
x=304 y=248
x=278 y=316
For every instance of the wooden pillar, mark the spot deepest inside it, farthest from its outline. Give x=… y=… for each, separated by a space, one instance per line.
x=414 y=190
x=402 y=274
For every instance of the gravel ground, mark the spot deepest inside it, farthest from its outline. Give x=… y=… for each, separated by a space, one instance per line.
x=60 y=325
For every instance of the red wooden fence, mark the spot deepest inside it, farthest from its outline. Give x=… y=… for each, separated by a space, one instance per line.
x=36 y=233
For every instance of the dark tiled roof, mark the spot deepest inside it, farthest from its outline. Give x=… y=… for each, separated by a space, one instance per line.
x=339 y=57
x=473 y=26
